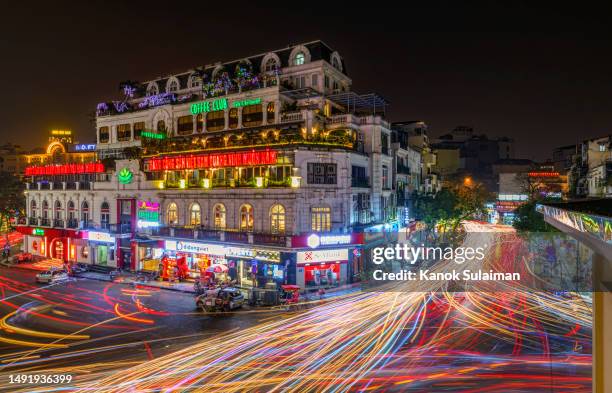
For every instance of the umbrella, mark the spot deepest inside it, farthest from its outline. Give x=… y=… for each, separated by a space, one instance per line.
x=216 y=268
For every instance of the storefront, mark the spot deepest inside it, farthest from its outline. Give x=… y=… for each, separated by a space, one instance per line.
x=247 y=267
x=322 y=268
x=102 y=248
x=51 y=242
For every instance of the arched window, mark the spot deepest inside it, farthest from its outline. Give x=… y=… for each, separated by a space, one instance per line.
x=172 y=214
x=173 y=86
x=33 y=212
x=270 y=64
x=300 y=58
x=270 y=113
x=277 y=219
x=195 y=81
x=104 y=215
x=161 y=126
x=58 y=210
x=246 y=218
x=71 y=216
x=336 y=63
x=195 y=216
x=45 y=209
x=219 y=214
x=85 y=212
x=152 y=89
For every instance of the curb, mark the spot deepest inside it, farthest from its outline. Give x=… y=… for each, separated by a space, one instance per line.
x=134 y=283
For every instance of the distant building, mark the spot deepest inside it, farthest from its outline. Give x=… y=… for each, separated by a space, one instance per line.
x=564 y=156
x=591 y=175
x=477 y=153
x=60 y=149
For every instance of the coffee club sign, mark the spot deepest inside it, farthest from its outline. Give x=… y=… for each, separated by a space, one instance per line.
x=221 y=104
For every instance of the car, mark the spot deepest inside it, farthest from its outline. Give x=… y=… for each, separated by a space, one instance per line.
x=220 y=299
x=51 y=276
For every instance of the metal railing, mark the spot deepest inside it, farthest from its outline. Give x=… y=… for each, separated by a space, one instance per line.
x=288 y=117
x=363 y=182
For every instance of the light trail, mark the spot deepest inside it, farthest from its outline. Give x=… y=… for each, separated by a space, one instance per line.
x=424 y=338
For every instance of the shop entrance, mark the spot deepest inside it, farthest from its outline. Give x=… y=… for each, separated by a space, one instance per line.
x=57 y=249
x=101 y=255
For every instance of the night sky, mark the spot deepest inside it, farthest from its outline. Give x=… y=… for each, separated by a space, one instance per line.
x=540 y=75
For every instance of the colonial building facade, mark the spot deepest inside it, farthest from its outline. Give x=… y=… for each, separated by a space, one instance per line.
x=270 y=165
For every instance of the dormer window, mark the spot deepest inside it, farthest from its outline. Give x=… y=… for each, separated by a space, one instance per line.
x=270 y=65
x=152 y=90
x=300 y=58
x=195 y=81
x=173 y=86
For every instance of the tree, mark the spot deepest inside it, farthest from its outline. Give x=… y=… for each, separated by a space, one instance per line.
x=527 y=219
x=451 y=205
x=12 y=201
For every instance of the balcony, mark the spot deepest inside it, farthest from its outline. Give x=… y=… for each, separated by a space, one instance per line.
x=209 y=234
x=362 y=182
x=403 y=169
x=45 y=222
x=221 y=235
x=57 y=223
x=229 y=183
x=33 y=221
x=291 y=117
x=343 y=120
x=271 y=239
x=238 y=237
x=72 y=223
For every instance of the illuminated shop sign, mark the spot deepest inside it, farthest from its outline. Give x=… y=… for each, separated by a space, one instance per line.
x=209 y=106
x=219 y=250
x=507 y=206
x=512 y=197
x=65 y=169
x=543 y=174
x=61 y=132
x=152 y=135
x=247 y=102
x=148 y=214
x=102 y=237
x=315 y=240
x=125 y=176
x=201 y=161
x=85 y=147
x=38 y=232
x=196 y=248
x=322 y=256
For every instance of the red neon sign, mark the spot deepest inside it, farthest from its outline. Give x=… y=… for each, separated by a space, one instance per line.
x=543 y=174
x=65 y=169
x=200 y=161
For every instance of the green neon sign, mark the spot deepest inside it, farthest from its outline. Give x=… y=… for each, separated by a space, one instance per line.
x=125 y=176
x=148 y=215
x=152 y=135
x=208 y=106
x=38 y=232
x=247 y=102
